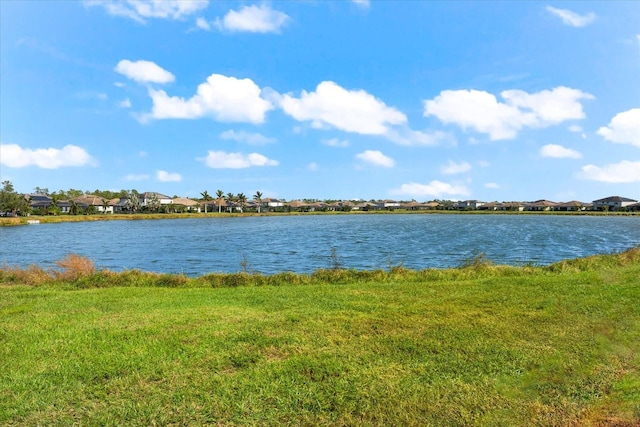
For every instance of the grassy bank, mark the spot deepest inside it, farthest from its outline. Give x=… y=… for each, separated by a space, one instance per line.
x=479 y=345
x=110 y=217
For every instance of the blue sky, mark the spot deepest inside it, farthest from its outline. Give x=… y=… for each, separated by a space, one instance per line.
x=323 y=99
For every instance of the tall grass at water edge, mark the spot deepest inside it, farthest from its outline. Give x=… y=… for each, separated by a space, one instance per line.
x=482 y=344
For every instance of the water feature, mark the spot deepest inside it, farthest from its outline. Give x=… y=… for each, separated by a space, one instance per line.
x=271 y=244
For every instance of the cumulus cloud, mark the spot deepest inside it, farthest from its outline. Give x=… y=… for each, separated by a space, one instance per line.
x=14 y=156
x=332 y=106
x=253 y=19
x=144 y=71
x=165 y=176
x=125 y=103
x=313 y=166
x=452 y=168
x=617 y=173
x=559 y=152
x=624 y=128
x=246 y=137
x=376 y=158
x=435 y=189
x=224 y=160
x=571 y=18
x=335 y=142
x=482 y=112
x=492 y=185
x=222 y=98
x=139 y=10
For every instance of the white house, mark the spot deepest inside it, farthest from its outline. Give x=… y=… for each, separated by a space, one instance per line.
x=613 y=203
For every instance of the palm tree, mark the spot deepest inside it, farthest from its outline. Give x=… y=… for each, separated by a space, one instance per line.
x=133 y=201
x=105 y=205
x=258 y=198
x=73 y=207
x=220 y=195
x=242 y=199
x=206 y=197
x=230 y=198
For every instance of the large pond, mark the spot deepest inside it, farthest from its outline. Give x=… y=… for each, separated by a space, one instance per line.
x=270 y=244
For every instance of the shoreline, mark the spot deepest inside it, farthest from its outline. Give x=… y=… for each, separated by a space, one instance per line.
x=49 y=219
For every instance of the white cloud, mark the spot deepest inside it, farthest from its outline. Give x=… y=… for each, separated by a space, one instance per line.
x=571 y=18
x=136 y=177
x=125 y=103
x=453 y=168
x=138 y=10
x=144 y=71
x=348 y=110
x=404 y=136
x=14 y=156
x=575 y=128
x=483 y=163
x=203 y=24
x=376 y=158
x=558 y=152
x=482 y=112
x=165 y=176
x=435 y=189
x=492 y=185
x=224 y=160
x=624 y=128
x=222 y=98
x=335 y=142
x=246 y=137
x=313 y=166
x=119 y=84
x=253 y=19
x=362 y=3
x=617 y=173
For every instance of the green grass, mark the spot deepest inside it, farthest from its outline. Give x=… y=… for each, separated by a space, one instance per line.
x=480 y=345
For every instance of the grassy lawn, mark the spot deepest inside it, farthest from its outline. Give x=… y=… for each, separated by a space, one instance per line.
x=482 y=345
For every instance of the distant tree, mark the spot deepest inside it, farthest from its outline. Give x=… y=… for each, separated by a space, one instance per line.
x=105 y=205
x=258 y=198
x=230 y=201
x=133 y=201
x=41 y=191
x=153 y=202
x=220 y=195
x=242 y=201
x=73 y=207
x=206 y=197
x=9 y=198
x=54 y=208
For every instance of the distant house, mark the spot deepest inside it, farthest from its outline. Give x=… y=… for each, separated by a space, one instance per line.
x=97 y=202
x=469 y=204
x=43 y=203
x=540 y=205
x=389 y=204
x=634 y=207
x=573 y=205
x=147 y=196
x=274 y=204
x=189 y=204
x=612 y=203
x=510 y=206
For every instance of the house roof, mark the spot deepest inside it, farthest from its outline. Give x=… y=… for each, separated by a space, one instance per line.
x=89 y=199
x=614 y=199
x=149 y=194
x=184 y=201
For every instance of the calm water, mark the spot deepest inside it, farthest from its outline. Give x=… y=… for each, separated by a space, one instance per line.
x=303 y=243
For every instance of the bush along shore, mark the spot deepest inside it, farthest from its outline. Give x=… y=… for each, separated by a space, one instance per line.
x=481 y=344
